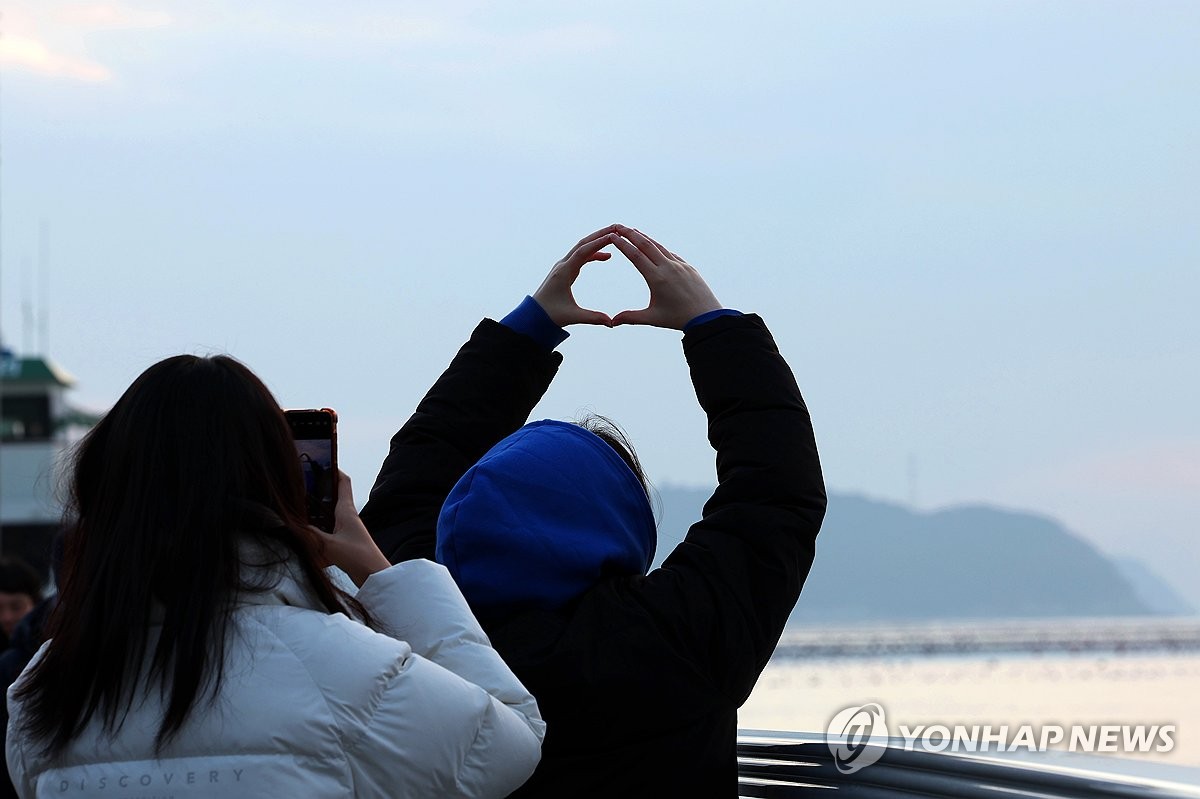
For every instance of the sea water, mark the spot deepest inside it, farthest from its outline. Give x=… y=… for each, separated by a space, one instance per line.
x=1094 y=688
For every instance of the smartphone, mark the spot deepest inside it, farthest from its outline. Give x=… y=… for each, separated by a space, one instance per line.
x=315 y=433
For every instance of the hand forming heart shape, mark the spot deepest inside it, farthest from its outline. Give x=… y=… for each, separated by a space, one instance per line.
x=677 y=292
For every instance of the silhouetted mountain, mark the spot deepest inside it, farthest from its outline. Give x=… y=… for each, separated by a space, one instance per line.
x=878 y=561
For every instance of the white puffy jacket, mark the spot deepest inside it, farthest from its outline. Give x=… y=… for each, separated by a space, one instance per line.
x=314 y=705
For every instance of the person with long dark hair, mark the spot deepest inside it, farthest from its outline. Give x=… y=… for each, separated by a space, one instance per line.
x=548 y=530
x=201 y=647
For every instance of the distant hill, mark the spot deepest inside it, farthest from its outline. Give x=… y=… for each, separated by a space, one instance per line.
x=879 y=561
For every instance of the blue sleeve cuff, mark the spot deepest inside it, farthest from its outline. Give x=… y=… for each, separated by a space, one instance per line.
x=531 y=319
x=709 y=316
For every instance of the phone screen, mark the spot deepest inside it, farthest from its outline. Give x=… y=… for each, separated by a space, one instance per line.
x=315 y=434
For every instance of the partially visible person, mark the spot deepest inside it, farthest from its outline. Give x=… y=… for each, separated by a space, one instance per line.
x=26 y=640
x=200 y=647
x=548 y=530
x=20 y=591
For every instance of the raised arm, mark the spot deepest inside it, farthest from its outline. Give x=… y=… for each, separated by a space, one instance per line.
x=486 y=393
x=726 y=591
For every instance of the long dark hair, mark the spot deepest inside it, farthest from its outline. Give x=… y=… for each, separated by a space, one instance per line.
x=194 y=458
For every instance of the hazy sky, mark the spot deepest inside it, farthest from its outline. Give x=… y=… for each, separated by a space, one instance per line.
x=972 y=226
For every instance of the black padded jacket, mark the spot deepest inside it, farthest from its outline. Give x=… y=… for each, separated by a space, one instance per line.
x=640 y=679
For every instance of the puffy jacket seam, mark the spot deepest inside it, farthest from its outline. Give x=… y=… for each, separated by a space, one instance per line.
x=458 y=772
x=320 y=690
x=348 y=745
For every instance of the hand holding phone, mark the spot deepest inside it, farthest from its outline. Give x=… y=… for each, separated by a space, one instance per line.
x=351 y=547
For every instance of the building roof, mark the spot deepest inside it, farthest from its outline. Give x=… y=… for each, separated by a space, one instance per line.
x=32 y=371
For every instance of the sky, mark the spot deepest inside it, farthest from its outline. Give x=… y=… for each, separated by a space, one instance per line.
x=971 y=227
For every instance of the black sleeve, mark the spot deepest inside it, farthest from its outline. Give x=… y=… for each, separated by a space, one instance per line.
x=725 y=593
x=486 y=393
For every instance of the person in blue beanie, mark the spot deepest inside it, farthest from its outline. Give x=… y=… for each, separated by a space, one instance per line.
x=548 y=531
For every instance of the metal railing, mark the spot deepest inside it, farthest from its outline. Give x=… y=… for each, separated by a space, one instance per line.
x=784 y=765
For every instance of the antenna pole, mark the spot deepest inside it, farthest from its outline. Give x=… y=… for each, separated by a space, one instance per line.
x=26 y=306
x=43 y=314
